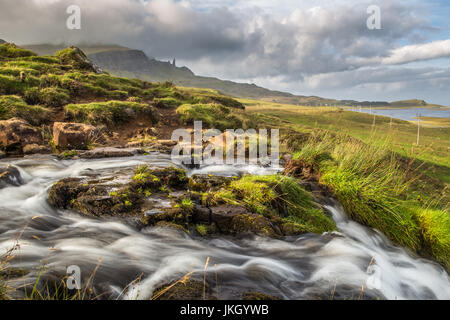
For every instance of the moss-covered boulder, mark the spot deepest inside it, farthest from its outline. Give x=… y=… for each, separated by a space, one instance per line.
x=281 y=200
x=204 y=183
x=75 y=57
x=17 y=133
x=184 y=289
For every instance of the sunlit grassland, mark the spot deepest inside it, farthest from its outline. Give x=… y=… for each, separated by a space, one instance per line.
x=434 y=142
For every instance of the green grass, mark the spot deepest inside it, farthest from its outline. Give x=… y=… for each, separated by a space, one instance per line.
x=109 y=113
x=376 y=187
x=212 y=116
x=10 y=50
x=15 y=107
x=275 y=196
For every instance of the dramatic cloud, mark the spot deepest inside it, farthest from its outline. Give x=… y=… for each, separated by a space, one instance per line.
x=287 y=44
x=427 y=51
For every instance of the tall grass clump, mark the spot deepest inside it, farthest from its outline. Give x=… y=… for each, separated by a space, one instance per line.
x=110 y=113
x=15 y=107
x=374 y=186
x=277 y=196
x=212 y=116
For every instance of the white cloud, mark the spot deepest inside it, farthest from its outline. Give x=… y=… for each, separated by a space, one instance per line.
x=411 y=53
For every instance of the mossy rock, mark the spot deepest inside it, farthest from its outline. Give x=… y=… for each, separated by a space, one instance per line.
x=75 y=57
x=63 y=192
x=254 y=224
x=12 y=106
x=204 y=183
x=171 y=225
x=187 y=290
x=277 y=198
x=258 y=296
x=10 y=50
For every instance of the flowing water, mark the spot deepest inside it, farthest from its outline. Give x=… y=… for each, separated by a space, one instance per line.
x=328 y=266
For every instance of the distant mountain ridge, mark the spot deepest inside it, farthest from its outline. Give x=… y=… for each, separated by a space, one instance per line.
x=126 y=62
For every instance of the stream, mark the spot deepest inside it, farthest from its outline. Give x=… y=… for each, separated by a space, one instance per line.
x=352 y=263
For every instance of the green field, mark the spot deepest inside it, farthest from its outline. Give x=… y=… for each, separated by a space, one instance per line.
x=401 y=136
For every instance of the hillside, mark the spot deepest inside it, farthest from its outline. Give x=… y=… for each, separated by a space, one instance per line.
x=64 y=105
x=125 y=62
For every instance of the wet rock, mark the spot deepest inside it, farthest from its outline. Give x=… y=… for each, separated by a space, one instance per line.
x=16 y=133
x=201 y=214
x=35 y=149
x=254 y=224
x=2 y=154
x=154 y=216
x=223 y=216
x=293 y=229
x=166 y=224
x=204 y=183
x=9 y=175
x=157 y=177
x=184 y=289
x=109 y=152
x=64 y=192
x=73 y=135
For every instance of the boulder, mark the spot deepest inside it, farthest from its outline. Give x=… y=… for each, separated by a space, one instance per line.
x=72 y=135
x=9 y=175
x=201 y=214
x=223 y=215
x=110 y=152
x=204 y=182
x=254 y=224
x=188 y=289
x=63 y=192
x=75 y=57
x=35 y=148
x=16 y=133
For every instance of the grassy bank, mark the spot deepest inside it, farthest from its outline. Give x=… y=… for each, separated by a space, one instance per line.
x=375 y=169
x=397 y=135
x=377 y=188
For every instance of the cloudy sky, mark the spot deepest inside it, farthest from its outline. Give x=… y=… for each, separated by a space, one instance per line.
x=308 y=47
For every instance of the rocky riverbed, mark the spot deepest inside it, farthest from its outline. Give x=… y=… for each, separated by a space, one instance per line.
x=135 y=225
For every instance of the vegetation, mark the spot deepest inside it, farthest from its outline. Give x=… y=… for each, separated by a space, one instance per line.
x=212 y=116
x=15 y=107
x=373 y=166
x=110 y=113
x=70 y=81
x=275 y=196
x=376 y=187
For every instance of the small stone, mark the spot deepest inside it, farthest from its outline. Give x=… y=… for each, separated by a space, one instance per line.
x=9 y=175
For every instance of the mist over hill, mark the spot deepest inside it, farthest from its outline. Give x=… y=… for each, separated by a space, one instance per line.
x=125 y=62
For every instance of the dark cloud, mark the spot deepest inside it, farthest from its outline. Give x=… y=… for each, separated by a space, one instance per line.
x=300 y=45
